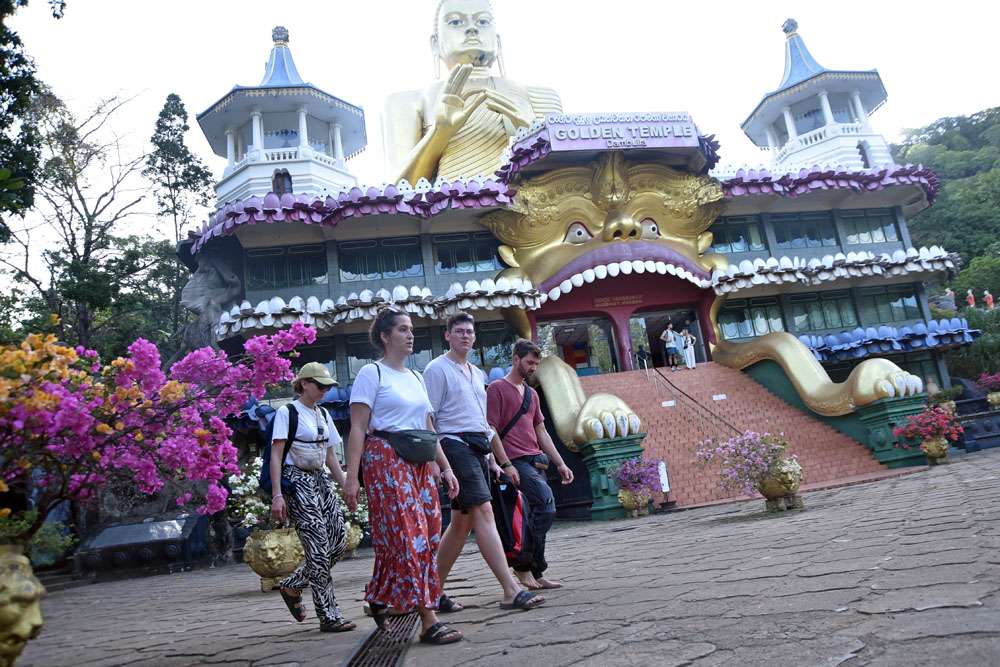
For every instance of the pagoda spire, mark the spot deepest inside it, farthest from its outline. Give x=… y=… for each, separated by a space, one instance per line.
x=280 y=69
x=799 y=63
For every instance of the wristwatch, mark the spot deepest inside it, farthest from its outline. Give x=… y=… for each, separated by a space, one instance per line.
x=508 y=464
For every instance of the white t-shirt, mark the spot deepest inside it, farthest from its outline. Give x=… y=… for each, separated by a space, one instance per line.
x=398 y=403
x=307 y=455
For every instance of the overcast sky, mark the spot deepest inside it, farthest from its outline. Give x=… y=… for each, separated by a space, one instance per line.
x=714 y=59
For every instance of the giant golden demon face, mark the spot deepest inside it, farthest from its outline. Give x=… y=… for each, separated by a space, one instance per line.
x=580 y=224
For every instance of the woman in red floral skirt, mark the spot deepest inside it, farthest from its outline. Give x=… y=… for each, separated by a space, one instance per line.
x=402 y=496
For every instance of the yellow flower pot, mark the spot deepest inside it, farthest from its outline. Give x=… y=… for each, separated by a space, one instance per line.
x=635 y=504
x=273 y=555
x=936 y=450
x=993 y=398
x=780 y=487
x=20 y=611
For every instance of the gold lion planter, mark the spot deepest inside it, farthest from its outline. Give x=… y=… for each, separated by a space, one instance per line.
x=780 y=487
x=993 y=398
x=635 y=504
x=354 y=537
x=936 y=450
x=273 y=555
x=20 y=611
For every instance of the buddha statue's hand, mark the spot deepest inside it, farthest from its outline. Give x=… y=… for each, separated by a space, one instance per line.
x=456 y=104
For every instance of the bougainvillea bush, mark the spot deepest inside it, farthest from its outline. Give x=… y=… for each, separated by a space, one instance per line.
x=69 y=424
x=744 y=459
x=934 y=422
x=989 y=383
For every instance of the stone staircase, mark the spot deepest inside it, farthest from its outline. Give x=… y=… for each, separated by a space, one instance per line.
x=828 y=457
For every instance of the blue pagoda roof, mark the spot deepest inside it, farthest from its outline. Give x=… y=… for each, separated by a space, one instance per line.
x=280 y=70
x=799 y=63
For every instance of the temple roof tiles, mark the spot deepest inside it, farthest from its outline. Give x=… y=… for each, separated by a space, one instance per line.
x=417 y=300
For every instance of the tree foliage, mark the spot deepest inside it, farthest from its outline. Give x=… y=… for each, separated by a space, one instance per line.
x=965 y=152
x=74 y=257
x=19 y=140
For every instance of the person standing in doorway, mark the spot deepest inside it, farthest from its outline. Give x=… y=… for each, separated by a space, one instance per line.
x=457 y=390
x=670 y=345
x=312 y=504
x=388 y=400
x=513 y=411
x=689 y=341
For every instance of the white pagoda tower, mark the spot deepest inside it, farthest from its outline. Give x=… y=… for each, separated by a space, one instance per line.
x=818 y=116
x=283 y=135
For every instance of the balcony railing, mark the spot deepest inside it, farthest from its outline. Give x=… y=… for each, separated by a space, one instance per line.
x=814 y=137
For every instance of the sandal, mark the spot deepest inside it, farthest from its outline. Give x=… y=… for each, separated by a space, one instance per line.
x=336 y=625
x=447 y=606
x=439 y=634
x=525 y=601
x=294 y=604
x=378 y=614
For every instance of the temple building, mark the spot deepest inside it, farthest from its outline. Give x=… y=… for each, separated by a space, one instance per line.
x=592 y=234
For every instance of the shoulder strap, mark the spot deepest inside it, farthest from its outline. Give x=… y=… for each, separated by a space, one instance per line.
x=521 y=411
x=293 y=430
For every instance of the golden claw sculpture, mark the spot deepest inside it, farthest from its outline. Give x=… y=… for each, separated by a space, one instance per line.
x=871 y=380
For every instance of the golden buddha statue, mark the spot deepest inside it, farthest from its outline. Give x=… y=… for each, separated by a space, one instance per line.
x=459 y=127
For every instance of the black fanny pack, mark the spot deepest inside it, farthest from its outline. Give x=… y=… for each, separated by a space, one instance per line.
x=416 y=446
x=477 y=442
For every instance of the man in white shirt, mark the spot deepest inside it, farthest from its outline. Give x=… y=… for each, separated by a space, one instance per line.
x=457 y=390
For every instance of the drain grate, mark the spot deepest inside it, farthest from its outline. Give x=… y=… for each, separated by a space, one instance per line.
x=386 y=648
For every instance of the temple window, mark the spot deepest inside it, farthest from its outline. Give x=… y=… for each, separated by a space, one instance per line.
x=494 y=343
x=277 y=268
x=822 y=311
x=281 y=182
x=874 y=225
x=882 y=305
x=804 y=230
x=746 y=318
x=360 y=352
x=740 y=233
x=382 y=259
x=466 y=253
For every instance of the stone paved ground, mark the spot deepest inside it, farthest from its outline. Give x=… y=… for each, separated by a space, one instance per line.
x=899 y=572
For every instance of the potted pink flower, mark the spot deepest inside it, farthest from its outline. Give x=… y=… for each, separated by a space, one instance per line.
x=753 y=461
x=932 y=428
x=637 y=479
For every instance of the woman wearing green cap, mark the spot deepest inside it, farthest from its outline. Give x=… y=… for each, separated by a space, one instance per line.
x=308 y=499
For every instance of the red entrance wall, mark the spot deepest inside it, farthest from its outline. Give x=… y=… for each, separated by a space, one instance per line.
x=619 y=298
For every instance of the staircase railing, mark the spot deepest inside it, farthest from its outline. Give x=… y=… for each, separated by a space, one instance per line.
x=700 y=409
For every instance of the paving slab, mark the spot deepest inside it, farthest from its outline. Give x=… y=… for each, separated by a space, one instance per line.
x=902 y=571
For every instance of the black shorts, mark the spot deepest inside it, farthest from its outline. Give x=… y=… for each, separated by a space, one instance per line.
x=472 y=472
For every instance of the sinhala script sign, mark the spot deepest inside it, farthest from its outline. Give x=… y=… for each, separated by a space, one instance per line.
x=597 y=131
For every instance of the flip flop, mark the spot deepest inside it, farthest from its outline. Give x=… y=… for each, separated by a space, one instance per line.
x=525 y=601
x=294 y=604
x=439 y=634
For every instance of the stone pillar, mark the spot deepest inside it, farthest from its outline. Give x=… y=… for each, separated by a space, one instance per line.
x=303 y=128
x=880 y=418
x=240 y=148
x=789 y=124
x=338 y=145
x=257 y=122
x=859 y=110
x=231 y=147
x=772 y=139
x=601 y=457
x=824 y=103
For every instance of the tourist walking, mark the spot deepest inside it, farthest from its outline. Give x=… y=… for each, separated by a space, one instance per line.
x=392 y=442
x=311 y=503
x=689 y=341
x=457 y=390
x=513 y=411
x=671 y=345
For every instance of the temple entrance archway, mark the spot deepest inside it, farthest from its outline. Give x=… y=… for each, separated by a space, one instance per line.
x=587 y=344
x=645 y=329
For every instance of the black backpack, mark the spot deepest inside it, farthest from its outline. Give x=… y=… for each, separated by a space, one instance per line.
x=293 y=427
x=510 y=511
